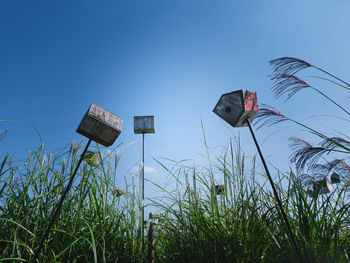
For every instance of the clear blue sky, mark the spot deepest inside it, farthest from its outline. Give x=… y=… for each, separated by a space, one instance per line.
x=171 y=59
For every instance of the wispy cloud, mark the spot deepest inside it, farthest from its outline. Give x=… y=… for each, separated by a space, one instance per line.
x=148 y=169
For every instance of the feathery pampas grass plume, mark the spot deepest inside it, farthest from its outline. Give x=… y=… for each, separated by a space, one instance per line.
x=338 y=166
x=268 y=116
x=336 y=142
x=291 y=65
x=304 y=152
x=288 y=65
x=290 y=84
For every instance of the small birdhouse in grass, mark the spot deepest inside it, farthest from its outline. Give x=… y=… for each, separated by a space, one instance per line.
x=92 y=158
x=323 y=186
x=220 y=189
x=100 y=125
x=335 y=178
x=143 y=124
x=153 y=215
x=118 y=192
x=236 y=107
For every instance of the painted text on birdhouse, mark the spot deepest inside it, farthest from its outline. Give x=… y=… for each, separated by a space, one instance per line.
x=143 y=124
x=100 y=125
x=237 y=107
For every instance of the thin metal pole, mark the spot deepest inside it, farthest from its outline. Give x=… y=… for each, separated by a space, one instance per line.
x=58 y=208
x=143 y=191
x=276 y=195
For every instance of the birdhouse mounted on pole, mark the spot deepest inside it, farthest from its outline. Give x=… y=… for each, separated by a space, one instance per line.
x=236 y=107
x=143 y=124
x=100 y=125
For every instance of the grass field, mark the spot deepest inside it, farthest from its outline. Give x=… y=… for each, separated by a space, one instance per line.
x=96 y=224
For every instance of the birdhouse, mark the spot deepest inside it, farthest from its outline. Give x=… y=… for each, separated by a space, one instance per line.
x=323 y=186
x=100 y=125
x=118 y=192
x=326 y=186
x=220 y=189
x=153 y=215
x=335 y=178
x=92 y=158
x=143 y=124
x=236 y=107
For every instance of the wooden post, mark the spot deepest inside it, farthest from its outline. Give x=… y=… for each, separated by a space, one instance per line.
x=150 y=256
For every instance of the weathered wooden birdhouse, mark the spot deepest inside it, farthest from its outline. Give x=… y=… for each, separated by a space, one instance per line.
x=143 y=124
x=335 y=178
x=220 y=189
x=324 y=186
x=92 y=158
x=236 y=107
x=100 y=125
x=153 y=215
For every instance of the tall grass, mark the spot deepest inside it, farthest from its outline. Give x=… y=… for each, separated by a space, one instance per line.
x=95 y=224
x=244 y=224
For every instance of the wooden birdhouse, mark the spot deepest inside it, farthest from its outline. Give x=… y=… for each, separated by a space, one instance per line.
x=100 y=125
x=92 y=158
x=153 y=215
x=143 y=124
x=236 y=107
x=220 y=189
x=323 y=186
x=335 y=178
